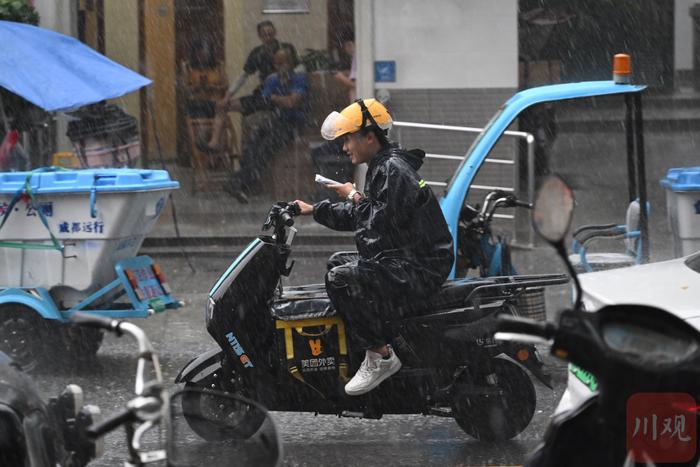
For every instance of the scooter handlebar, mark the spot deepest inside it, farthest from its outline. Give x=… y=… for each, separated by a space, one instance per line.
x=523 y=204
x=287 y=219
x=289 y=213
x=105 y=426
x=515 y=325
x=94 y=321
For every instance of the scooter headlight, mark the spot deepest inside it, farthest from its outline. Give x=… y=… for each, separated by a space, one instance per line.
x=209 y=309
x=647 y=344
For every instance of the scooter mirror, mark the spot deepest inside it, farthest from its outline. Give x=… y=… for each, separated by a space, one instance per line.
x=552 y=213
x=220 y=429
x=553 y=210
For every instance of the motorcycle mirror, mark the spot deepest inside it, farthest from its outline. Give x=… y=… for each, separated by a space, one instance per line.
x=553 y=210
x=552 y=213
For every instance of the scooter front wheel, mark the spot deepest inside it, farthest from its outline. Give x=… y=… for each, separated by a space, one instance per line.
x=500 y=413
x=215 y=419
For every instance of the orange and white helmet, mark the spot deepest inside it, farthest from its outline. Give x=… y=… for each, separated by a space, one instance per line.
x=363 y=113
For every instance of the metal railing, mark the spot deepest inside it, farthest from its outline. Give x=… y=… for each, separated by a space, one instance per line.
x=529 y=139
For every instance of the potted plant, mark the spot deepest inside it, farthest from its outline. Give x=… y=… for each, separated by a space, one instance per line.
x=18 y=11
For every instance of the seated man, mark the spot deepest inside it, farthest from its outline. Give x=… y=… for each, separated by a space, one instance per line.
x=260 y=61
x=286 y=93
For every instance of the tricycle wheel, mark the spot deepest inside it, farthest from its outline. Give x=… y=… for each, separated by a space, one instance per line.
x=215 y=419
x=21 y=336
x=499 y=415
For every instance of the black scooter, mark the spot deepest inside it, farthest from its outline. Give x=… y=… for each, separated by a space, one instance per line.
x=286 y=347
x=646 y=362
x=36 y=434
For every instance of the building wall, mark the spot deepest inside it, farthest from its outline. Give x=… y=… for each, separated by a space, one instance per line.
x=303 y=31
x=235 y=48
x=683 y=44
x=57 y=15
x=159 y=25
x=450 y=45
x=122 y=44
x=455 y=65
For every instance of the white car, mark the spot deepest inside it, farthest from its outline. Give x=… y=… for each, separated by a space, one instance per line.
x=671 y=285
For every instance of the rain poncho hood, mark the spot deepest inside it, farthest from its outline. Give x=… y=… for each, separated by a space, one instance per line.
x=398 y=219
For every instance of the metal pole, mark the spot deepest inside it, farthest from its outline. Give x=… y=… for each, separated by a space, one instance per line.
x=464 y=129
x=519 y=224
x=641 y=179
x=364 y=56
x=151 y=110
x=5 y=122
x=631 y=166
x=530 y=167
x=530 y=139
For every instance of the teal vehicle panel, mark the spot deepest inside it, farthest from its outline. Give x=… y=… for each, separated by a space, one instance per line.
x=233 y=265
x=458 y=187
x=39 y=300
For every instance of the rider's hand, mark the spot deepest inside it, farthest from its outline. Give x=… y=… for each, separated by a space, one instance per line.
x=343 y=189
x=304 y=208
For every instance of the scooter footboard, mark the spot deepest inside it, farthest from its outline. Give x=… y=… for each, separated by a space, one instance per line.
x=201 y=367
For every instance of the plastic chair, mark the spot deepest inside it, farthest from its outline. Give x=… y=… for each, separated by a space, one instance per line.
x=201 y=128
x=583 y=261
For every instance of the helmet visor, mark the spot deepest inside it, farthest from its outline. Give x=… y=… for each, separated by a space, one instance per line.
x=336 y=125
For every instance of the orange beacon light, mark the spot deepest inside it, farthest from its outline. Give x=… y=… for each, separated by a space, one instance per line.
x=622 y=69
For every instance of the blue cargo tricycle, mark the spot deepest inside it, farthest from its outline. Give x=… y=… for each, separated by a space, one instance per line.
x=68 y=240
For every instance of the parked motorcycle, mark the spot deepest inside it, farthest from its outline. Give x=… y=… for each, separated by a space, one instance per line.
x=153 y=414
x=478 y=248
x=646 y=364
x=287 y=347
x=36 y=434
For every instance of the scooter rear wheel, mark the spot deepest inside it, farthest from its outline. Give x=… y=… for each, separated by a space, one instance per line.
x=497 y=416
x=217 y=420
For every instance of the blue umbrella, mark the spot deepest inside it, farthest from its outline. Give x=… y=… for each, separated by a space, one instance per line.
x=58 y=72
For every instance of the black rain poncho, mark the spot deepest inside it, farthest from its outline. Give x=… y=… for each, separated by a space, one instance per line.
x=405 y=248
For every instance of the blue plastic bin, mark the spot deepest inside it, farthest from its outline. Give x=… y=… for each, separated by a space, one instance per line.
x=683 y=206
x=97 y=217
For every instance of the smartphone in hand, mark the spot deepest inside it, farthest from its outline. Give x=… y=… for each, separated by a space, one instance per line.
x=325 y=181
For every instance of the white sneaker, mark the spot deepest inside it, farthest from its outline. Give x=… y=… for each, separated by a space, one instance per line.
x=372 y=372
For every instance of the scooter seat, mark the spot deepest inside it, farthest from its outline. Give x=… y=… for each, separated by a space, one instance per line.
x=303 y=302
x=311 y=301
x=452 y=294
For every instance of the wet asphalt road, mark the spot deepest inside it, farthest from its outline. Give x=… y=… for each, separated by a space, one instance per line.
x=308 y=440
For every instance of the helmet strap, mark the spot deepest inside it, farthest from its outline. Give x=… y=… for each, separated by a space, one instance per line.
x=366 y=115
